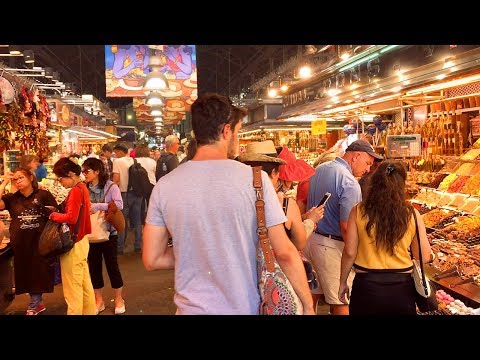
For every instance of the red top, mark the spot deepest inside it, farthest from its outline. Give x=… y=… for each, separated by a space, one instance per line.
x=72 y=208
x=302 y=191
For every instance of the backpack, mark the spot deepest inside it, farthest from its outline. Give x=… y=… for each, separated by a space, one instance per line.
x=162 y=168
x=138 y=182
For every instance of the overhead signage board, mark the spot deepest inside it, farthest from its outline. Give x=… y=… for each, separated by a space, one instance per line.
x=319 y=127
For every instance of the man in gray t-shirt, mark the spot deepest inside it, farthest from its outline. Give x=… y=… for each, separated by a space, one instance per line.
x=208 y=207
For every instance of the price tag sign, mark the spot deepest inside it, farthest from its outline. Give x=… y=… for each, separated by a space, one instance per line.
x=319 y=127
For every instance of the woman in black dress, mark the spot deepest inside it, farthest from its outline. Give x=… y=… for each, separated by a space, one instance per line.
x=33 y=273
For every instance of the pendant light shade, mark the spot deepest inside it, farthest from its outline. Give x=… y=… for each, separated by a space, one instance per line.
x=156 y=110
x=155 y=80
x=154 y=98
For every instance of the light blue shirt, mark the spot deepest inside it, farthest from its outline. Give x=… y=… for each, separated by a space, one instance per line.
x=336 y=178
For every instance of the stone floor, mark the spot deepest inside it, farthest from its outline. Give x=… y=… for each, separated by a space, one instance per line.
x=145 y=293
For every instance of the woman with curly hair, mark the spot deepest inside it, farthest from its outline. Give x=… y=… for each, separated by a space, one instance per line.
x=381 y=240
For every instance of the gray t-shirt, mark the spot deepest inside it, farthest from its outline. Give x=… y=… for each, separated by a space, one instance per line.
x=209 y=209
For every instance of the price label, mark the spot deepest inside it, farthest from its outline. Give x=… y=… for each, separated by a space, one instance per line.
x=319 y=127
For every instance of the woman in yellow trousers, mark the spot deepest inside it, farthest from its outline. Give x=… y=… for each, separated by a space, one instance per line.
x=76 y=282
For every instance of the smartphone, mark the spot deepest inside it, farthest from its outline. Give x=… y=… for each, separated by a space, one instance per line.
x=324 y=199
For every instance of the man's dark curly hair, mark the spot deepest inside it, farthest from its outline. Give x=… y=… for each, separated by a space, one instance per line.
x=210 y=113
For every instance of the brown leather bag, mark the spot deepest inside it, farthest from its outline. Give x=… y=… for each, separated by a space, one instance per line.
x=114 y=215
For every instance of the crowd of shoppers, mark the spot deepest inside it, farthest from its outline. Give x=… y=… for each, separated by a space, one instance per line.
x=360 y=240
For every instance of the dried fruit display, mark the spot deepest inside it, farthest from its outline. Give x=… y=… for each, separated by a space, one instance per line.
x=475 y=170
x=433 y=198
x=437 y=180
x=422 y=195
x=445 y=200
x=458 y=184
x=472 y=185
x=458 y=201
x=447 y=182
x=422 y=209
x=471 y=155
x=450 y=166
x=436 y=216
x=465 y=169
x=470 y=205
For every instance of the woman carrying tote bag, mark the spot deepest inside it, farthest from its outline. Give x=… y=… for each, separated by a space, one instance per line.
x=102 y=191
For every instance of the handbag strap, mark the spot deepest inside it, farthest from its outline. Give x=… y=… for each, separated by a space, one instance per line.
x=424 y=281
x=262 y=230
x=106 y=192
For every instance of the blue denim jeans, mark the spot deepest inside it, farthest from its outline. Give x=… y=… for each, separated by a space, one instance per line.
x=132 y=210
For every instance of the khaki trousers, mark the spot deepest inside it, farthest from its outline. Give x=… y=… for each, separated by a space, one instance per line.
x=76 y=282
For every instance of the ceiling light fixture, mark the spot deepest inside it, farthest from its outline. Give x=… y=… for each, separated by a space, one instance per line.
x=29 y=57
x=48 y=72
x=155 y=80
x=156 y=110
x=14 y=50
x=154 y=98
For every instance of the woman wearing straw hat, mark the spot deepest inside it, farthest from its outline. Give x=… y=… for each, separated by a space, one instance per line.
x=264 y=154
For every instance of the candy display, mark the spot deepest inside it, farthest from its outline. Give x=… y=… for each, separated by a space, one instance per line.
x=450 y=166
x=470 y=205
x=444 y=185
x=456 y=185
x=465 y=169
x=437 y=179
x=472 y=185
x=471 y=155
x=454 y=306
x=436 y=216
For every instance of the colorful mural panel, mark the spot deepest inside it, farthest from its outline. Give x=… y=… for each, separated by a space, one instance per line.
x=127 y=66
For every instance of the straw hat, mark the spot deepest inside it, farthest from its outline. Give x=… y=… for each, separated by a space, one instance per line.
x=260 y=151
x=295 y=169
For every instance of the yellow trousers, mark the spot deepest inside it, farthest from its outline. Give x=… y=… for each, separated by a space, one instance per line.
x=76 y=282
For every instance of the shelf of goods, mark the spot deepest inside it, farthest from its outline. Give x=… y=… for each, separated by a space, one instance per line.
x=12 y=159
x=59 y=192
x=308 y=157
x=450 y=206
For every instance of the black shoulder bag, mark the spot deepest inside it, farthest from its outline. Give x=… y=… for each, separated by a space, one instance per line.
x=56 y=238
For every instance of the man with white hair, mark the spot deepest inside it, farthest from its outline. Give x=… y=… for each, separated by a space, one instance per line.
x=168 y=160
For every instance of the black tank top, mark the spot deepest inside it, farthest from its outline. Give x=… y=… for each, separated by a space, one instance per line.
x=285 y=208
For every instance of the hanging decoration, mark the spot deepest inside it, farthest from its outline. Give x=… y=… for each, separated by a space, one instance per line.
x=10 y=120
